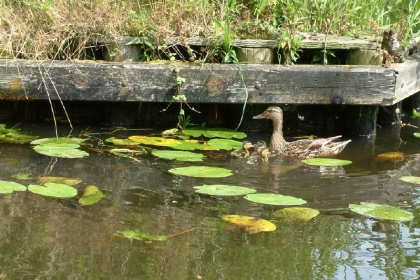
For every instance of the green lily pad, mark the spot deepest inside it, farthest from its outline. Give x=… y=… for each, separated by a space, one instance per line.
x=91 y=195
x=7 y=187
x=416 y=134
x=296 y=213
x=201 y=171
x=53 y=190
x=274 y=199
x=195 y=132
x=63 y=147
x=155 y=141
x=178 y=155
x=381 y=211
x=225 y=144
x=141 y=236
x=411 y=179
x=326 y=161
x=23 y=176
x=223 y=190
x=13 y=135
x=192 y=145
x=59 y=180
x=225 y=133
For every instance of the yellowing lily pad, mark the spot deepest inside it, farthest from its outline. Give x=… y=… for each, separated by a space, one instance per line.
x=7 y=187
x=60 y=180
x=411 y=179
x=178 y=155
x=225 y=144
x=326 y=161
x=296 y=213
x=201 y=171
x=53 y=190
x=274 y=199
x=381 y=211
x=91 y=195
x=223 y=190
x=121 y=142
x=250 y=224
x=391 y=156
x=155 y=141
x=141 y=236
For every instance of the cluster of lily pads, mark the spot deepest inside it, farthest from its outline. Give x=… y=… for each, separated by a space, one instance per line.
x=183 y=148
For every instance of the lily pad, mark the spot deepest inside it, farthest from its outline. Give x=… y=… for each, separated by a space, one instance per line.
x=195 y=132
x=411 y=179
x=178 y=155
x=391 y=156
x=381 y=211
x=155 y=141
x=53 y=190
x=63 y=147
x=250 y=224
x=121 y=142
x=225 y=144
x=223 y=190
x=141 y=236
x=416 y=134
x=60 y=180
x=7 y=187
x=13 y=135
x=91 y=195
x=201 y=171
x=23 y=176
x=296 y=213
x=225 y=133
x=274 y=199
x=193 y=145
x=326 y=161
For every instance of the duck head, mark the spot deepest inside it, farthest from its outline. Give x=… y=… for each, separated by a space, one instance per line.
x=272 y=113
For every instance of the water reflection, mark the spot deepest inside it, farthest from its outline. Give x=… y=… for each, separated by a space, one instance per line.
x=50 y=238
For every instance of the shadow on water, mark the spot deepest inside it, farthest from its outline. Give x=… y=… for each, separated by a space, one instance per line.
x=46 y=238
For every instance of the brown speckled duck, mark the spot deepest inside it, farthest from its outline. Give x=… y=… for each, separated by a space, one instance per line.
x=244 y=152
x=307 y=148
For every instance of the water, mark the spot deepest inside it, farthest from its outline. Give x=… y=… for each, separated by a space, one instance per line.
x=47 y=238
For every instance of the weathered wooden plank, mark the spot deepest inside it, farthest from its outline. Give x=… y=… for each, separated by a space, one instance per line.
x=317 y=41
x=408 y=77
x=210 y=83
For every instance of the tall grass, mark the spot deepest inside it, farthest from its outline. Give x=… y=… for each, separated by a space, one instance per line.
x=63 y=29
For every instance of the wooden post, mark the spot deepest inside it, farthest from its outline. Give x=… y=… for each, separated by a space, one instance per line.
x=255 y=55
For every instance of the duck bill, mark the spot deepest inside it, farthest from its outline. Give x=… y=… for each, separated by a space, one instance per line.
x=259 y=117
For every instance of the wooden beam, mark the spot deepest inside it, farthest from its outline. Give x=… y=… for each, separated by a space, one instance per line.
x=208 y=83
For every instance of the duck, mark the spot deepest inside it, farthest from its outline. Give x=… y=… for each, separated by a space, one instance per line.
x=260 y=154
x=244 y=151
x=306 y=148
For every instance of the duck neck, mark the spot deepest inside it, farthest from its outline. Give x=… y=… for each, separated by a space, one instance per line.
x=277 y=140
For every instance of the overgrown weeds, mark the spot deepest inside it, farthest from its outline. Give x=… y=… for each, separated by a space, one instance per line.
x=62 y=29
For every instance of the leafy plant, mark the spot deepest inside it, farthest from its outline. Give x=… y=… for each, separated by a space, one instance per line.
x=289 y=45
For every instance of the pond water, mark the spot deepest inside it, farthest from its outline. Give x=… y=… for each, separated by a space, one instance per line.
x=47 y=238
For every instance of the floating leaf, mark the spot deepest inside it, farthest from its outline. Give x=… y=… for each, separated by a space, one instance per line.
x=326 y=161
x=195 y=132
x=23 y=176
x=274 y=199
x=178 y=155
x=391 y=156
x=250 y=224
x=201 y=171
x=411 y=179
x=296 y=213
x=225 y=133
x=225 y=144
x=381 y=211
x=155 y=141
x=91 y=195
x=60 y=180
x=141 y=236
x=127 y=153
x=192 y=145
x=63 y=147
x=53 y=190
x=223 y=190
x=416 y=134
x=121 y=142
x=415 y=114
x=13 y=135
x=7 y=187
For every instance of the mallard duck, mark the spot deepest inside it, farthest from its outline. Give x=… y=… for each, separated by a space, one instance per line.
x=244 y=151
x=307 y=148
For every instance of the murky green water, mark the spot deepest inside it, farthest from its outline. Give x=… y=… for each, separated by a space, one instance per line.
x=47 y=238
